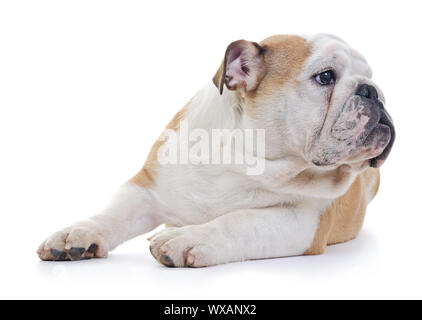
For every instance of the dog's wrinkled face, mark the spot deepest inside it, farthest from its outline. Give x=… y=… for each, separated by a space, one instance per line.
x=314 y=97
x=352 y=125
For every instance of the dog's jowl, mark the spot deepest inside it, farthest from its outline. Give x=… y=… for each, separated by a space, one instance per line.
x=304 y=111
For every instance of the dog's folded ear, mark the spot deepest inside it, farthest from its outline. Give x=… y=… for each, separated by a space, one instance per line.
x=243 y=67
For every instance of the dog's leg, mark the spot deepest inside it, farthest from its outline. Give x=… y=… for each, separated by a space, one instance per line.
x=132 y=212
x=241 y=235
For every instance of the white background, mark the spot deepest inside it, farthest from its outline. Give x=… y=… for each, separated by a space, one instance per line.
x=87 y=86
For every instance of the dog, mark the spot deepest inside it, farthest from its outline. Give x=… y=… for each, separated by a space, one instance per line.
x=327 y=132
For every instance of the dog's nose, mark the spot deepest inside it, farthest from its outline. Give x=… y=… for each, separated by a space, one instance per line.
x=367 y=91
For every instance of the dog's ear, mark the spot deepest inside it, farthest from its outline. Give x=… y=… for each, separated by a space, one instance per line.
x=243 y=67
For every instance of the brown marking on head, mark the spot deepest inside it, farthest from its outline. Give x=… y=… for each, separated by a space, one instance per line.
x=343 y=220
x=146 y=176
x=284 y=57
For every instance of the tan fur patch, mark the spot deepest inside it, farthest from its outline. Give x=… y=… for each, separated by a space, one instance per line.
x=284 y=56
x=343 y=221
x=146 y=176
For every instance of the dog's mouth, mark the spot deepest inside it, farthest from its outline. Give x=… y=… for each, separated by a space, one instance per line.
x=385 y=127
x=363 y=132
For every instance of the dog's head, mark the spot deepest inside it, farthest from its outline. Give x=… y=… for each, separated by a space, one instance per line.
x=314 y=97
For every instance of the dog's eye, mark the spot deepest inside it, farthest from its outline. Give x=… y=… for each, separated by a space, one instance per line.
x=326 y=78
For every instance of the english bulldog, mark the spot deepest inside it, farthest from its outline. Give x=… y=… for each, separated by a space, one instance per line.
x=326 y=134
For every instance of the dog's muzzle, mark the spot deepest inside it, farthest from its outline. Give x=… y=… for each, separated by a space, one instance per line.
x=383 y=126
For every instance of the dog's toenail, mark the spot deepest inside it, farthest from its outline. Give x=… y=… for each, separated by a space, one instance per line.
x=92 y=248
x=77 y=252
x=166 y=260
x=58 y=255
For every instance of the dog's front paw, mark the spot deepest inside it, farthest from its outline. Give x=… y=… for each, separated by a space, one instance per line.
x=82 y=241
x=191 y=246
